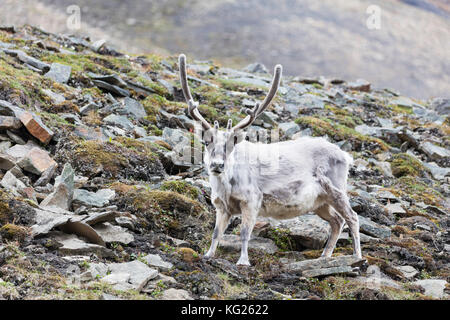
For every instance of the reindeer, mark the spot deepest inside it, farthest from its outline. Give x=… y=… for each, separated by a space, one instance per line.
x=309 y=175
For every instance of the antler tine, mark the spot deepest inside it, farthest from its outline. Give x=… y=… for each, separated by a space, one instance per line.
x=273 y=89
x=192 y=106
x=259 y=108
x=248 y=120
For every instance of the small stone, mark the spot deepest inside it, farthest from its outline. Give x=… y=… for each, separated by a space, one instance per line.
x=59 y=72
x=233 y=242
x=72 y=245
x=93 y=199
x=56 y=97
x=134 y=108
x=7 y=123
x=62 y=194
x=360 y=85
x=112 y=88
x=433 y=151
x=36 y=127
x=139 y=273
x=408 y=272
x=433 y=287
x=7 y=162
x=120 y=121
x=36 y=161
x=110 y=233
x=373 y=229
x=308 y=231
x=289 y=128
x=395 y=208
x=154 y=260
x=176 y=294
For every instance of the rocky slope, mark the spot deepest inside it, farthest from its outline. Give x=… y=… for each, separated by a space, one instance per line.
x=96 y=204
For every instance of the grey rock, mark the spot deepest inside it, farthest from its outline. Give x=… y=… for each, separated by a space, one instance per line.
x=22 y=56
x=433 y=151
x=256 y=68
x=110 y=233
x=98 y=217
x=441 y=106
x=93 y=199
x=111 y=88
x=12 y=184
x=36 y=161
x=232 y=242
x=155 y=261
x=408 y=272
x=72 y=245
x=7 y=162
x=14 y=137
x=121 y=121
x=404 y=102
x=56 y=97
x=326 y=266
x=46 y=176
x=309 y=231
x=8 y=122
x=373 y=229
x=360 y=85
x=439 y=173
x=97 y=45
x=62 y=194
x=175 y=294
x=395 y=208
x=433 y=287
x=139 y=274
x=134 y=108
x=201 y=69
x=59 y=72
x=310 y=101
x=289 y=128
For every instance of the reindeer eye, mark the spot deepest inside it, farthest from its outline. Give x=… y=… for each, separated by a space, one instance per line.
x=235 y=140
x=208 y=142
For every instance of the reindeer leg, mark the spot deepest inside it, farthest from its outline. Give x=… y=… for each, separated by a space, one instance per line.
x=248 y=222
x=338 y=200
x=222 y=220
x=336 y=222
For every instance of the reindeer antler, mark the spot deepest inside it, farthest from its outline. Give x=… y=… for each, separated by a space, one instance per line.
x=192 y=105
x=259 y=108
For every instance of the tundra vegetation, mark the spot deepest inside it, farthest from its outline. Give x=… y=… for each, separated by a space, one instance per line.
x=91 y=134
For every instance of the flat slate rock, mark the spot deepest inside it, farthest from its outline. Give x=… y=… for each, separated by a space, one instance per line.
x=324 y=266
x=233 y=242
x=138 y=275
x=59 y=73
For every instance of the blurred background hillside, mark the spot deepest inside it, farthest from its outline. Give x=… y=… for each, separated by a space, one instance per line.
x=409 y=53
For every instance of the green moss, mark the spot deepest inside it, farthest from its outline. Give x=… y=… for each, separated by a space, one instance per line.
x=153 y=103
x=403 y=164
x=5 y=211
x=20 y=85
x=323 y=126
x=91 y=62
x=14 y=232
x=281 y=238
x=182 y=187
x=163 y=210
x=400 y=109
x=160 y=90
x=413 y=187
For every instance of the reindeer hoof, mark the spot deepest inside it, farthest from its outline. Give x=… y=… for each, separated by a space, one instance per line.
x=243 y=263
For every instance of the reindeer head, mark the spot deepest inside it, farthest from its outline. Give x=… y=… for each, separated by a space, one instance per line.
x=219 y=144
